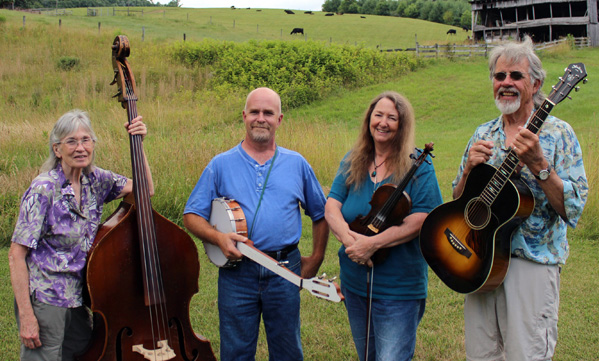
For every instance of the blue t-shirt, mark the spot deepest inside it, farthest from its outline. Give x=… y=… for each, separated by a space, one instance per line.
x=404 y=274
x=236 y=175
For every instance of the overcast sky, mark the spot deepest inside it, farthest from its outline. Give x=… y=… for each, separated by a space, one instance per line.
x=263 y=4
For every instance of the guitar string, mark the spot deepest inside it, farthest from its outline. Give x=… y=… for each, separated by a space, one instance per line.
x=533 y=124
x=156 y=294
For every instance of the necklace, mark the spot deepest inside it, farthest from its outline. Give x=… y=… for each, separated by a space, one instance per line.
x=373 y=174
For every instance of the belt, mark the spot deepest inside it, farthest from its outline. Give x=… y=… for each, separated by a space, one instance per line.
x=281 y=254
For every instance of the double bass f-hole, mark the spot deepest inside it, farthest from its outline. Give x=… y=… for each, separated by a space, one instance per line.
x=142 y=270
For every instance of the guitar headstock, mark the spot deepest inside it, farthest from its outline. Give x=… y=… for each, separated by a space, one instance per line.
x=574 y=74
x=322 y=288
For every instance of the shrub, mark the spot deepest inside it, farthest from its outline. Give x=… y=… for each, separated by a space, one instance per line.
x=301 y=72
x=67 y=63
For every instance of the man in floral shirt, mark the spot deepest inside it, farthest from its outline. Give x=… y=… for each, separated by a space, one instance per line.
x=518 y=320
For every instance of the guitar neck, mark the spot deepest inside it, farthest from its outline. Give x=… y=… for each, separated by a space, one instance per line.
x=509 y=165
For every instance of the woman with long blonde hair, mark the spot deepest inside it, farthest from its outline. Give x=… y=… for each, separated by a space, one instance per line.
x=386 y=299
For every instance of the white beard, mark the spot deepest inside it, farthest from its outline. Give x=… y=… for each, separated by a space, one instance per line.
x=507 y=107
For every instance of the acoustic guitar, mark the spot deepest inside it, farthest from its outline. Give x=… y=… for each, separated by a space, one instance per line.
x=467 y=242
x=227 y=216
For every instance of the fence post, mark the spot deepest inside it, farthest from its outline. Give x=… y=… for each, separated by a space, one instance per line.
x=183 y=37
x=99 y=25
x=436 y=50
x=59 y=23
x=23 y=21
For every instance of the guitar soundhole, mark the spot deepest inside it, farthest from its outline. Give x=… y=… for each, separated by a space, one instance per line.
x=478 y=214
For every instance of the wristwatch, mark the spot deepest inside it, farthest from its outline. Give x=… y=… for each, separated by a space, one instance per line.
x=544 y=173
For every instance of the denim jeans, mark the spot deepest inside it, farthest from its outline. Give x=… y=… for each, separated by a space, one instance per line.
x=249 y=291
x=393 y=325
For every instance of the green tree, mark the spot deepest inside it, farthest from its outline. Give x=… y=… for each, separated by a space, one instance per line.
x=383 y=8
x=331 y=5
x=348 y=6
x=466 y=20
x=368 y=7
x=412 y=11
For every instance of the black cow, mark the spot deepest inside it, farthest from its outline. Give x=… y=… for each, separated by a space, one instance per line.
x=362 y=17
x=329 y=14
x=289 y=12
x=308 y=12
x=465 y=28
x=297 y=31
x=451 y=32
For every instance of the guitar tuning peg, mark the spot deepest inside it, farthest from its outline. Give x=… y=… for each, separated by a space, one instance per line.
x=585 y=81
x=332 y=279
x=119 y=93
x=282 y=263
x=569 y=97
x=322 y=276
x=576 y=88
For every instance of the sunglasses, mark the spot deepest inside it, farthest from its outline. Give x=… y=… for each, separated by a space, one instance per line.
x=515 y=75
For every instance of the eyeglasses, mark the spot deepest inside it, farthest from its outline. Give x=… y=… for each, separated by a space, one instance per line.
x=73 y=143
x=515 y=75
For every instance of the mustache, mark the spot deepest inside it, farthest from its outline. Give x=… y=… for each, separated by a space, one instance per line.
x=508 y=89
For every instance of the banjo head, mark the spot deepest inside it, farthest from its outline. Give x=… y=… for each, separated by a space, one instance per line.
x=226 y=216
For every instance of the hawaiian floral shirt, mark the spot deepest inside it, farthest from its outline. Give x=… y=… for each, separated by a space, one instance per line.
x=59 y=232
x=542 y=237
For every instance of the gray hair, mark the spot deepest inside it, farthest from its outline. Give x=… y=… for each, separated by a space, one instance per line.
x=516 y=51
x=70 y=122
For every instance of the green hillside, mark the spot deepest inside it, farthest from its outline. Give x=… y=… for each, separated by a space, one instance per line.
x=46 y=70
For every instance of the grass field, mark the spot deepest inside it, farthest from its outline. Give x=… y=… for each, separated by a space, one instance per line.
x=450 y=99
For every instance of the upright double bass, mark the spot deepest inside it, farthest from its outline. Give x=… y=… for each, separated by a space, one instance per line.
x=143 y=269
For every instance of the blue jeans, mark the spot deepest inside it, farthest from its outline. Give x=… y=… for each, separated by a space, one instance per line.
x=393 y=325
x=249 y=291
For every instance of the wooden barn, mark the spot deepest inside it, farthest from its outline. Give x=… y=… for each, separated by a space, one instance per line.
x=543 y=20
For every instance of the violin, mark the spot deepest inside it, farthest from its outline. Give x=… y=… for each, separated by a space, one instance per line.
x=142 y=270
x=390 y=204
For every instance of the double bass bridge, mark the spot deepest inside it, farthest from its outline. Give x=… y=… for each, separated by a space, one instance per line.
x=163 y=353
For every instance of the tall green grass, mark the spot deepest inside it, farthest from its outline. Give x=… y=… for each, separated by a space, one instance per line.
x=187 y=126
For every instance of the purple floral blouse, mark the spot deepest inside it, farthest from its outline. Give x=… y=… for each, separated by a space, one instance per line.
x=59 y=233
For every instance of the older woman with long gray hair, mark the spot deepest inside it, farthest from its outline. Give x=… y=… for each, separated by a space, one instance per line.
x=58 y=220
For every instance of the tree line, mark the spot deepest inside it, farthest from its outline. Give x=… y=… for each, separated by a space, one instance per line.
x=44 y=4
x=450 y=12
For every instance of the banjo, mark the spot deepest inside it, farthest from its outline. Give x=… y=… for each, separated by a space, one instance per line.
x=227 y=216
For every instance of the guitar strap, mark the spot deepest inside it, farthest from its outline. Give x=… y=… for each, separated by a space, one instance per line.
x=262 y=194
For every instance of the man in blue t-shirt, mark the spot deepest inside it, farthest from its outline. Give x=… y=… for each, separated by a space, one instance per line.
x=269 y=183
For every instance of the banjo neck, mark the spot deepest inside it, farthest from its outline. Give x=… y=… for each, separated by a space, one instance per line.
x=226 y=216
